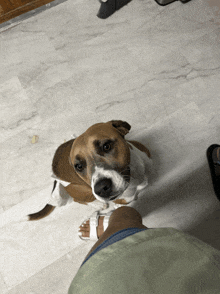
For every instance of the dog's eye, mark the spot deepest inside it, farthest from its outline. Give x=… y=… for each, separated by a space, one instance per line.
x=78 y=167
x=106 y=147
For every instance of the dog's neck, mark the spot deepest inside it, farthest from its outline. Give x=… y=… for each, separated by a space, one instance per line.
x=140 y=164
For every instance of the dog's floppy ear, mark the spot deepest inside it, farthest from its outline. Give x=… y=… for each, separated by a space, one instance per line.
x=122 y=126
x=61 y=166
x=64 y=171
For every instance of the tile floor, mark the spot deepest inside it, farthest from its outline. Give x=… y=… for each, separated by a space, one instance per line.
x=63 y=70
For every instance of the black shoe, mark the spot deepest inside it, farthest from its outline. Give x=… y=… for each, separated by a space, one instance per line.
x=108 y=7
x=165 y=2
x=213 y=155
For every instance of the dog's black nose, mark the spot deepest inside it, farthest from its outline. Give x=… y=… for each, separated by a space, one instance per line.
x=103 y=187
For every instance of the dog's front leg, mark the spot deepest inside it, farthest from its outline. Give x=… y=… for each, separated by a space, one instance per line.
x=99 y=205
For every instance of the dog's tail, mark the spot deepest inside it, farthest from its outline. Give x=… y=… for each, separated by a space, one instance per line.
x=42 y=213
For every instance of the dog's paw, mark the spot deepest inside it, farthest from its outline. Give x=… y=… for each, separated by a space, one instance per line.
x=118 y=205
x=98 y=205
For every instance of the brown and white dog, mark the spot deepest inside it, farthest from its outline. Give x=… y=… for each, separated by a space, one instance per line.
x=100 y=166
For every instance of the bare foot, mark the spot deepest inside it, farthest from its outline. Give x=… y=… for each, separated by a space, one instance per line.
x=85 y=228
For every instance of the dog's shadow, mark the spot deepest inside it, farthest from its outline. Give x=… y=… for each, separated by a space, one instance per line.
x=189 y=186
x=208 y=229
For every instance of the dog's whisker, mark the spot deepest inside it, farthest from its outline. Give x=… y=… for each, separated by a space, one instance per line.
x=125 y=170
x=126 y=177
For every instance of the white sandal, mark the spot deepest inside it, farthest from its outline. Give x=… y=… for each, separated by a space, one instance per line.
x=93 y=223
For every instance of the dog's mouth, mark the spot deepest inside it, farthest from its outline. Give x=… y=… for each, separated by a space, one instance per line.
x=111 y=198
x=108 y=185
x=118 y=193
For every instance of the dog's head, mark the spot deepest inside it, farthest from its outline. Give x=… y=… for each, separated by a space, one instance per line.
x=101 y=158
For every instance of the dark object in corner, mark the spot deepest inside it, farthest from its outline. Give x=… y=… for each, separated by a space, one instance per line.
x=213 y=156
x=165 y=2
x=108 y=7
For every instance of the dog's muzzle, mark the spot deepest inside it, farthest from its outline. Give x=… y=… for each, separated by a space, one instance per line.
x=107 y=185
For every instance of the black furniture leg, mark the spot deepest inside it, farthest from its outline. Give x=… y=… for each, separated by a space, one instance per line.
x=165 y=2
x=108 y=7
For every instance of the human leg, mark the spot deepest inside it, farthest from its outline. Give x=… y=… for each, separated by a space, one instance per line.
x=122 y=218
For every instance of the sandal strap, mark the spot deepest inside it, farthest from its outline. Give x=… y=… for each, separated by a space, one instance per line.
x=106 y=219
x=105 y=222
x=93 y=223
